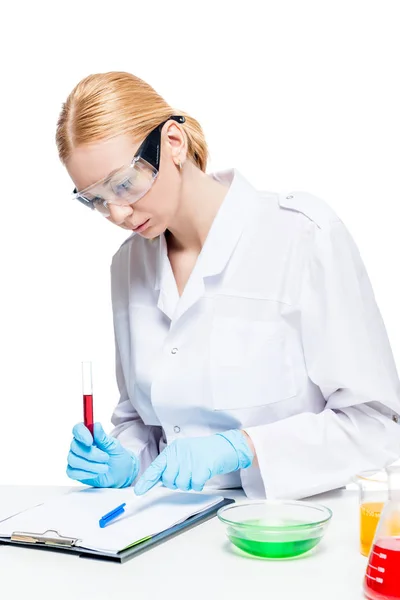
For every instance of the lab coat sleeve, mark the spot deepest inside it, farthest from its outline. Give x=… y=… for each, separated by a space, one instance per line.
x=143 y=440
x=348 y=356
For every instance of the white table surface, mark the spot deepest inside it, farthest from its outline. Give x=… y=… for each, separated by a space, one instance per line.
x=198 y=563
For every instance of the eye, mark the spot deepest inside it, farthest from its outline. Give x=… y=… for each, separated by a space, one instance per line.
x=123 y=186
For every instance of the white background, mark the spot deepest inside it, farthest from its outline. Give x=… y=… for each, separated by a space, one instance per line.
x=296 y=95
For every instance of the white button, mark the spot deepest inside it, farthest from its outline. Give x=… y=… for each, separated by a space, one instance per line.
x=288 y=197
x=174 y=350
x=177 y=429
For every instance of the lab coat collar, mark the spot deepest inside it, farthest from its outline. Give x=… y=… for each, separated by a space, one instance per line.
x=218 y=247
x=228 y=224
x=165 y=281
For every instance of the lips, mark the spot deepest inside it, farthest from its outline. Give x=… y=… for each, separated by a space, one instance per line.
x=140 y=227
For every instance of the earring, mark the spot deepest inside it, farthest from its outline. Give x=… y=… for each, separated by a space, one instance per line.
x=180 y=165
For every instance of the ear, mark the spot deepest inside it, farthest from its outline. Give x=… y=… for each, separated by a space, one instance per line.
x=176 y=141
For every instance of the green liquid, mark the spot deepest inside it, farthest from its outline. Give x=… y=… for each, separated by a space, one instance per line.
x=267 y=549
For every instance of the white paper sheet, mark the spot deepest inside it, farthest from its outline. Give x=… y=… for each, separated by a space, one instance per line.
x=12 y=504
x=77 y=514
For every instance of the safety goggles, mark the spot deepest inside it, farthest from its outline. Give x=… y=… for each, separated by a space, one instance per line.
x=128 y=184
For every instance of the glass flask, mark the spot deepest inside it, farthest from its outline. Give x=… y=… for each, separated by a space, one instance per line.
x=373 y=492
x=382 y=577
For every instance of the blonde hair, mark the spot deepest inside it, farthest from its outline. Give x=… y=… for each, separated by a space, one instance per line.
x=105 y=105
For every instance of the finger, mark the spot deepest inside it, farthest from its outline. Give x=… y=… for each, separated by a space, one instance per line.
x=170 y=474
x=199 y=479
x=92 y=468
x=82 y=434
x=152 y=475
x=104 y=441
x=91 y=453
x=197 y=486
x=183 y=481
x=82 y=476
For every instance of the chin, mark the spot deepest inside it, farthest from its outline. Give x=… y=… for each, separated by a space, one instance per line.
x=152 y=233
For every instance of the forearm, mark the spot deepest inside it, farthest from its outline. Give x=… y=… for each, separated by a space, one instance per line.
x=252 y=447
x=310 y=453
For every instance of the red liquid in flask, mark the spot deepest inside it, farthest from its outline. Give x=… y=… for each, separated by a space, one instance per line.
x=88 y=411
x=382 y=579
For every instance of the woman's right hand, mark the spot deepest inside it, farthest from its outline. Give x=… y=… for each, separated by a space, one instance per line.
x=101 y=460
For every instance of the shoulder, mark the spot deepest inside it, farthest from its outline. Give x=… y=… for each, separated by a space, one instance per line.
x=308 y=207
x=326 y=233
x=130 y=253
x=306 y=220
x=133 y=244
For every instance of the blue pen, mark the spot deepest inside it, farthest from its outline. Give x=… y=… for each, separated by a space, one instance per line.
x=119 y=510
x=113 y=514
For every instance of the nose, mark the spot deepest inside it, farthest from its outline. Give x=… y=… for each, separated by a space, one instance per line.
x=118 y=214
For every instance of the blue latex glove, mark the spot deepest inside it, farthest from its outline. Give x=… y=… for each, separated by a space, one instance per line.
x=101 y=460
x=187 y=464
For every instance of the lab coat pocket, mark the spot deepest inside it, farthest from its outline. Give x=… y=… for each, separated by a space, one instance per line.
x=250 y=363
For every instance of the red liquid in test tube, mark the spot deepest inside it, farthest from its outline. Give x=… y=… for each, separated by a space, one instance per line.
x=87 y=391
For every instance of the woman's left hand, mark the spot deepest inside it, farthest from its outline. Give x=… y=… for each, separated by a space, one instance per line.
x=188 y=463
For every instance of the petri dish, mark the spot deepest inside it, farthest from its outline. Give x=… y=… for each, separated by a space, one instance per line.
x=275 y=529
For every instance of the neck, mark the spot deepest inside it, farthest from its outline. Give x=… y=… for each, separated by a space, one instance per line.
x=201 y=198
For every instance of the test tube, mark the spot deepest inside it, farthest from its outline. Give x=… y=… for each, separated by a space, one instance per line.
x=87 y=392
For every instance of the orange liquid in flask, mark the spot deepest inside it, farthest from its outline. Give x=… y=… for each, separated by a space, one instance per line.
x=370 y=513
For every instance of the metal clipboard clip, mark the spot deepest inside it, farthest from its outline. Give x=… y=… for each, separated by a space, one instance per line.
x=44 y=538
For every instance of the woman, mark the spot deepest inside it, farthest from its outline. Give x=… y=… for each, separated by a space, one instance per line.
x=250 y=350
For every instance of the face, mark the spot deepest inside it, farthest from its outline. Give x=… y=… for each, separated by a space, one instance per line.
x=151 y=215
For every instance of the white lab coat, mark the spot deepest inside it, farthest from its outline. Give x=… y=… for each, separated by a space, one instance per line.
x=277 y=332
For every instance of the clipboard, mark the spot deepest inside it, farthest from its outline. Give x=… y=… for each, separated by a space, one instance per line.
x=53 y=541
